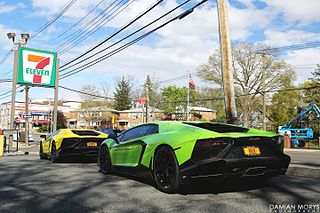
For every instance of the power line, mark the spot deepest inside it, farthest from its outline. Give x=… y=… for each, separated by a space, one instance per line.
x=85 y=93
x=92 y=28
x=102 y=58
x=123 y=28
x=83 y=28
x=5 y=80
x=60 y=13
x=57 y=16
x=111 y=36
x=6 y=56
x=79 y=21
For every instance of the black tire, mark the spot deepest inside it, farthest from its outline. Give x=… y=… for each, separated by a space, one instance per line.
x=41 y=155
x=166 y=170
x=54 y=155
x=105 y=165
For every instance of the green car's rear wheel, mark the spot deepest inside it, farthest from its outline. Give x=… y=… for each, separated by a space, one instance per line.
x=105 y=165
x=166 y=170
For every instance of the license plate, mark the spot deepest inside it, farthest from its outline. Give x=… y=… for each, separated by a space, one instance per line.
x=251 y=151
x=91 y=144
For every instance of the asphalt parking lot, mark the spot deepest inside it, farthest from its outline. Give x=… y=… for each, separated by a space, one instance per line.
x=28 y=184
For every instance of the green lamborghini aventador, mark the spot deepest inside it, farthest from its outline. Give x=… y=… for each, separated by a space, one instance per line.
x=172 y=153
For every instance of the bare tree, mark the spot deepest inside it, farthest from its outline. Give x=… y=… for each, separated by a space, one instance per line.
x=88 y=102
x=252 y=70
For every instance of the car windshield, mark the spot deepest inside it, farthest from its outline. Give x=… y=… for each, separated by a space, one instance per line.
x=221 y=128
x=85 y=132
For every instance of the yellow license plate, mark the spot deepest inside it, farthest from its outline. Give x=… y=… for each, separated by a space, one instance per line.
x=251 y=151
x=91 y=144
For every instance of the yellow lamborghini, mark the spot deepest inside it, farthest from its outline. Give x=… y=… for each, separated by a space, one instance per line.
x=71 y=143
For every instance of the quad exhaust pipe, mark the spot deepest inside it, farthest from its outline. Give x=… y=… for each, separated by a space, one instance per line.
x=254 y=171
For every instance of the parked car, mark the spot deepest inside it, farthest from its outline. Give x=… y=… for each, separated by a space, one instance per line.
x=173 y=153
x=71 y=143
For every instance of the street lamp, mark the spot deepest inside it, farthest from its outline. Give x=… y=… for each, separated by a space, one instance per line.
x=11 y=36
x=21 y=43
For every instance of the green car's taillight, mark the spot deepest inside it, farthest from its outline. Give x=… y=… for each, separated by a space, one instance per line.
x=208 y=148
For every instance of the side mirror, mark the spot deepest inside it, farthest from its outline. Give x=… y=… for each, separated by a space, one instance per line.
x=114 y=137
x=43 y=136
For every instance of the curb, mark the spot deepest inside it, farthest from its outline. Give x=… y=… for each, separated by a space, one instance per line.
x=300 y=150
x=304 y=171
x=20 y=153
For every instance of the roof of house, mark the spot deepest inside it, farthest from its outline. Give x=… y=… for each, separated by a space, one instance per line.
x=98 y=109
x=201 y=109
x=140 y=110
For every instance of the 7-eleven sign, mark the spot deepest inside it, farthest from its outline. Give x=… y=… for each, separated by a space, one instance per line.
x=36 y=67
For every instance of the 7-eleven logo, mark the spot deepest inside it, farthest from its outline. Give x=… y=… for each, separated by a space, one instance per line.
x=42 y=62
x=37 y=67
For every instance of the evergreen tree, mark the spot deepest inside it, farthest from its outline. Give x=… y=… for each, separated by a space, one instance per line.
x=122 y=95
x=150 y=90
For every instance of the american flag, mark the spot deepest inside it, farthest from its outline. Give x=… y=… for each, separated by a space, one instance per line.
x=192 y=85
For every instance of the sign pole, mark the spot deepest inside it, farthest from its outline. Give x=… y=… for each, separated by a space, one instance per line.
x=56 y=88
x=27 y=115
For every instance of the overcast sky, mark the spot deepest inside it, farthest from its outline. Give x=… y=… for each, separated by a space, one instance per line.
x=171 y=52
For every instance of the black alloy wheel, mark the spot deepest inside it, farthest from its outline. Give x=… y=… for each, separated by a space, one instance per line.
x=54 y=154
x=105 y=165
x=166 y=170
x=41 y=155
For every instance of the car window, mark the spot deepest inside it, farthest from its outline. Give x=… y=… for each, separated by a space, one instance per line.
x=136 y=132
x=53 y=134
x=152 y=129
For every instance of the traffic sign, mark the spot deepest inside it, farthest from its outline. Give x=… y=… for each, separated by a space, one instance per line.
x=27 y=116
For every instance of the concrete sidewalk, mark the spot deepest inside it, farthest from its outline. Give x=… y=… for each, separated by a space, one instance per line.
x=304 y=162
x=32 y=149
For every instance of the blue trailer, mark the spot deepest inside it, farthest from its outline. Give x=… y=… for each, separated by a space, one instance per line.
x=299 y=135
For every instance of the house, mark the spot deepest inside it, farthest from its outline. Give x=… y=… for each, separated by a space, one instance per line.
x=133 y=117
x=93 y=117
x=202 y=113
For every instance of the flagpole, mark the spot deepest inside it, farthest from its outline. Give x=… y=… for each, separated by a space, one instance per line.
x=188 y=97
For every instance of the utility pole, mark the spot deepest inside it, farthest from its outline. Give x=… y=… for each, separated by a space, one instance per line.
x=226 y=62
x=14 y=87
x=263 y=81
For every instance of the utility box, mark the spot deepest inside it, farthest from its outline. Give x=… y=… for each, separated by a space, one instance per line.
x=1 y=145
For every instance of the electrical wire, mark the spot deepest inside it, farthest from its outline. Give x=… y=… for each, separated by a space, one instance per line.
x=119 y=41
x=79 y=21
x=110 y=37
x=85 y=93
x=91 y=28
x=102 y=58
x=112 y=16
x=60 y=13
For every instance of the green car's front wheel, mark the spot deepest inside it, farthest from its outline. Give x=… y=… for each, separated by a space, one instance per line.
x=105 y=165
x=166 y=170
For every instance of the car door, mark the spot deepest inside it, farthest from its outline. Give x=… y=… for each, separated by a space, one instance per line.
x=46 y=144
x=128 y=151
